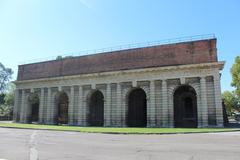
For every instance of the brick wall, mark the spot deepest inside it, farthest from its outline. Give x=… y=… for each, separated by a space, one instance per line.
x=194 y=52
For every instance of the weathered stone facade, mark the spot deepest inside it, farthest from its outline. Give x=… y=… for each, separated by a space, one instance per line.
x=111 y=105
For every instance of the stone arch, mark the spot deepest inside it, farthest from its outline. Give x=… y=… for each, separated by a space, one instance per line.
x=185 y=107
x=62 y=107
x=137 y=108
x=95 y=101
x=33 y=108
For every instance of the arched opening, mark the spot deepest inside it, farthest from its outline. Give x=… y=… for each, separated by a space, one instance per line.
x=137 y=108
x=34 y=107
x=96 y=109
x=185 y=107
x=63 y=103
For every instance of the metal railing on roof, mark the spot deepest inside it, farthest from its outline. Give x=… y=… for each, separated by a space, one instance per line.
x=128 y=46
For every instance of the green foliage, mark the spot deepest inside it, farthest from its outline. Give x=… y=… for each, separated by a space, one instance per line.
x=5 y=76
x=5 y=110
x=9 y=95
x=235 y=70
x=231 y=101
x=61 y=57
x=7 y=100
x=2 y=98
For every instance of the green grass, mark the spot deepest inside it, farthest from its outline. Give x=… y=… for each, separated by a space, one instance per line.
x=118 y=130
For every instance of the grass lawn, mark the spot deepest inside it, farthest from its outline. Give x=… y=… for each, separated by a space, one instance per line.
x=118 y=130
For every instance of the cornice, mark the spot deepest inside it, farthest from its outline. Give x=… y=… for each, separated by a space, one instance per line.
x=219 y=65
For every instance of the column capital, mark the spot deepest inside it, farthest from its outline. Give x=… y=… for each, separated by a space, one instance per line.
x=59 y=88
x=93 y=86
x=134 y=83
x=164 y=81
x=202 y=77
x=119 y=84
x=152 y=81
x=182 y=80
x=108 y=84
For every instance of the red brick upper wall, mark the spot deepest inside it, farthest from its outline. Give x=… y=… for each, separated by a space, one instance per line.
x=202 y=51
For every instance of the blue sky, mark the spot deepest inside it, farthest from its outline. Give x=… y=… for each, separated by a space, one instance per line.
x=39 y=29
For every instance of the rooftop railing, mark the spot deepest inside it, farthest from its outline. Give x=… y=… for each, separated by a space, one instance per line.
x=128 y=46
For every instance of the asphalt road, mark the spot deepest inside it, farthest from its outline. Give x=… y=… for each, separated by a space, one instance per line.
x=20 y=144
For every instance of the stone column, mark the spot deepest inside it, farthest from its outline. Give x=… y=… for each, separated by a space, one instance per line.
x=218 y=100
x=23 y=107
x=71 y=106
x=151 y=110
x=16 y=106
x=49 y=107
x=107 y=108
x=41 y=106
x=204 y=107
x=81 y=112
x=164 y=104
x=119 y=107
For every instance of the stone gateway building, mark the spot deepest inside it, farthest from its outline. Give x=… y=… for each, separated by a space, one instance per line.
x=170 y=85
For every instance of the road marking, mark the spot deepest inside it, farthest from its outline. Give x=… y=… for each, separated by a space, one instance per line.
x=33 y=153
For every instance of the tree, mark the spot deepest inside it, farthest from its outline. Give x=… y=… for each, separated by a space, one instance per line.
x=7 y=101
x=235 y=70
x=231 y=101
x=9 y=95
x=5 y=76
x=59 y=57
x=2 y=96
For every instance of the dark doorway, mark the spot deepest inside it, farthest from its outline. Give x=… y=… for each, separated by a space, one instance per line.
x=63 y=108
x=137 y=110
x=35 y=108
x=96 y=109
x=185 y=107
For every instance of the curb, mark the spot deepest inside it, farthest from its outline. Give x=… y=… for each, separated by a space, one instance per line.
x=136 y=133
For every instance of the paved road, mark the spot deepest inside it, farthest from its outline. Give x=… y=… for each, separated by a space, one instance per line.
x=19 y=144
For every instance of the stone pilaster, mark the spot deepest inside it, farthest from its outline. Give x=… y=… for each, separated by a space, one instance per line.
x=71 y=106
x=107 y=108
x=16 y=106
x=119 y=107
x=218 y=100
x=151 y=110
x=23 y=107
x=41 y=106
x=80 y=110
x=204 y=107
x=50 y=118
x=164 y=104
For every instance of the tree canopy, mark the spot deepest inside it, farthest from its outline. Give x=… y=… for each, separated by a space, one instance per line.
x=235 y=70
x=5 y=76
x=231 y=101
